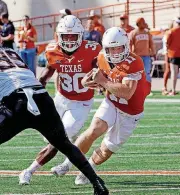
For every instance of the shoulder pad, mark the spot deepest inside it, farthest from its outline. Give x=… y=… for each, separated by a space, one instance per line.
x=51 y=46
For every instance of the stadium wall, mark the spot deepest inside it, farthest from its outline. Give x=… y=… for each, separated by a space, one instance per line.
x=164 y=14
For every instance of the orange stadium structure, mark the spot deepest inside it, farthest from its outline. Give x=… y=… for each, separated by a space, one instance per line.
x=151 y=10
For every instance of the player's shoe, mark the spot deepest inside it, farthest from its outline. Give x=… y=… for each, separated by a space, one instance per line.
x=100 y=188
x=60 y=170
x=25 y=177
x=81 y=179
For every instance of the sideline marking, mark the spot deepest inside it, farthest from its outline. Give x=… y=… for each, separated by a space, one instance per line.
x=112 y=173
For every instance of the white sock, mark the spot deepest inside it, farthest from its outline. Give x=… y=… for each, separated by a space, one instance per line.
x=93 y=165
x=67 y=162
x=34 y=167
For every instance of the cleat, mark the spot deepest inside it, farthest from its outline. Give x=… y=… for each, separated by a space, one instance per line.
x=25 y=177
x=100 y=188
x=81 y=180
x=60 y=169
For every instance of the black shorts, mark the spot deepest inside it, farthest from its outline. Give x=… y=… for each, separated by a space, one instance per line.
x=175 y=61
x=15 y=117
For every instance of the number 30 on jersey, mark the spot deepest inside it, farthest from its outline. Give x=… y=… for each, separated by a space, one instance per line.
x=70 y=84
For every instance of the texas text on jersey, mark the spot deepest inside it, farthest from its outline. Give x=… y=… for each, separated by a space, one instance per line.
x=72 y=68
x=131 y=68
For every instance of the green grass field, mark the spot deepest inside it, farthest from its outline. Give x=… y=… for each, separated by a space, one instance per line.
x=154 y=146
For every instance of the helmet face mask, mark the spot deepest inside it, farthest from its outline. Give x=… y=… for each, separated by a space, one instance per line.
x=116 y=54
x=69 y=43
x=115 y=45
x=70 y=32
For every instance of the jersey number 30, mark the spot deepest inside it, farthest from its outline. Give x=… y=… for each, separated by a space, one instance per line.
x=70 y=84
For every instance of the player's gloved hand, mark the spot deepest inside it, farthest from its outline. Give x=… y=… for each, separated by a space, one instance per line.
x=98 y=77
x=87 y=81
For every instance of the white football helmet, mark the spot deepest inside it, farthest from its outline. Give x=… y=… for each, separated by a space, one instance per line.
x=115 y=37
x=69 y=25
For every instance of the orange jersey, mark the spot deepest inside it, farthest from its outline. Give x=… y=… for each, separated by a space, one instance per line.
x=141 y=42
x=31 y=32
x=130 y=69
x=173 y=43
x=72 y=68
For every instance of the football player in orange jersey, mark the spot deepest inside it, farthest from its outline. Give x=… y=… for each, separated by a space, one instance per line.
x=72 y=58
x=122 y=74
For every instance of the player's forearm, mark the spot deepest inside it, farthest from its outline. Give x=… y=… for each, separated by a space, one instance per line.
x=46 y=75
x=118 y=89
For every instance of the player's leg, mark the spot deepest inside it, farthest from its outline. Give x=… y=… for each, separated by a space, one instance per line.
x=47 y=153
x=43 y=157
x=104 y=117
x=14 y=116
x=53 y=130
x=73 y=120
x=99 y=156
x=115 y=137
x=98 y=127
x=103 y=120
x=84 y=141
